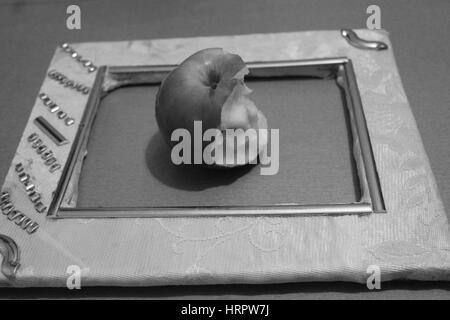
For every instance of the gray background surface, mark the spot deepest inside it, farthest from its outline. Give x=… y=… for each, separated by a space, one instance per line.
x=30 y=30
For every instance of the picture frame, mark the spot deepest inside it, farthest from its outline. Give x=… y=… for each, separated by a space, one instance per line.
x=340 y=69
x=45 y=232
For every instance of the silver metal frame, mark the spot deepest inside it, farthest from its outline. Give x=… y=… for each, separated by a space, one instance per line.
x=341 y=69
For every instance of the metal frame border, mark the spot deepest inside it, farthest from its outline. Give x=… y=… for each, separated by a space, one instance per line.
x=110 y=78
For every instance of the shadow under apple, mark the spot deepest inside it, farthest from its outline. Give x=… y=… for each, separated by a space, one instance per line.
x=187 y=177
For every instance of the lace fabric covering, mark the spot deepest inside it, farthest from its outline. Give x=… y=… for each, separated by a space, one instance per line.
x=410 y=241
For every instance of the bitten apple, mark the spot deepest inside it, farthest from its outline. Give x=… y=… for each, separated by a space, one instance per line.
x=209 y=86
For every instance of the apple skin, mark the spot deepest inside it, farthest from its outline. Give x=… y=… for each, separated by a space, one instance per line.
x=197 y=90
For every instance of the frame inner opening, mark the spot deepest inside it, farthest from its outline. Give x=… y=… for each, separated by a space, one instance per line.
x=128 y=163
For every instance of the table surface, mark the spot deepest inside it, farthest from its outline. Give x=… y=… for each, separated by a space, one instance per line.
x=419 y=30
